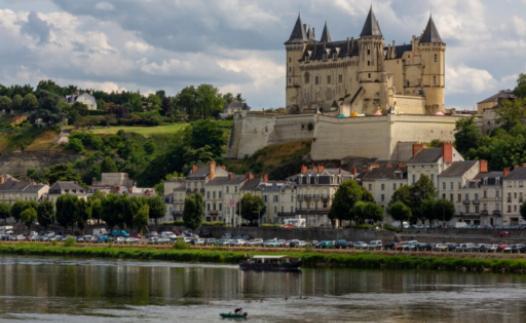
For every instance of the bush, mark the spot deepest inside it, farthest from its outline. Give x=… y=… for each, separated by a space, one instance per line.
x=70 y=241
x=392 y=228
x=180 y=244
x=214 y=224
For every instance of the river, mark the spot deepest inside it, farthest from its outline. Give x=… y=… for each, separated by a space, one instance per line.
x=99 y=290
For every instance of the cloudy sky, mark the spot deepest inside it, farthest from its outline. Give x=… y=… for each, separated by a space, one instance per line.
x=237 y=45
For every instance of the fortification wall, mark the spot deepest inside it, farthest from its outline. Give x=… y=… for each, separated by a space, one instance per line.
x=385 y=137
x=360 y=137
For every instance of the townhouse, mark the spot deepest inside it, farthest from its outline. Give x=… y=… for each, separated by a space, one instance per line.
x=514 y=191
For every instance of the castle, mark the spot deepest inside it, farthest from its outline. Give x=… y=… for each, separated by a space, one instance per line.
x=363 y=75
x=354 y=98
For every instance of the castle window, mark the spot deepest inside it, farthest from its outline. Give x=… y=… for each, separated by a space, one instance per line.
x=368 y=63
x=316 y=80
x=368 y=52
x=290 y=80
x=328 y=79
x=307 y=78
x=290 y=60
x=340 y=78
x=434 y=80
x=369 y=75
x=435 y=58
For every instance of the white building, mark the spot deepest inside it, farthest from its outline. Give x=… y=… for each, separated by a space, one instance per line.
x=12 y=190
x=514 y=191
x=85 y=98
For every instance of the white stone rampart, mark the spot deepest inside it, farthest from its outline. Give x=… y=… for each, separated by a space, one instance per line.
x=384 y=137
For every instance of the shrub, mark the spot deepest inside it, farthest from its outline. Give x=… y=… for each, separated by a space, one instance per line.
x=180 y=244
x=70 y=241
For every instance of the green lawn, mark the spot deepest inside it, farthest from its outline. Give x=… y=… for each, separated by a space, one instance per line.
x=169 y=129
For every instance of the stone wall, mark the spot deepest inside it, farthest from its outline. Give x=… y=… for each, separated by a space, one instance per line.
x=18 y=163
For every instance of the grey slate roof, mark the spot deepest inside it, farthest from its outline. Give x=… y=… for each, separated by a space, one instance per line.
x=232 y=180
x=61 y=186
x=203 y=171
x=251 y=184
x=371 y=26
x=502 y=95
x=426 y=156
x=13 y=185
x=518 y=173
x=401 y=49
x=458 y=168
x=384 y=173
x=299 y=33
x=430 y=34
x=335 y=49
x=325 y=35
x=238 y=105
x=274 y=186
x=490 y=178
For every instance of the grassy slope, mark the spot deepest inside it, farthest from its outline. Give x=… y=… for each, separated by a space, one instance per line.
x=310 y=258
x=144 y=131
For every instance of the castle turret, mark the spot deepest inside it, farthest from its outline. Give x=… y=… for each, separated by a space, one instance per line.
x=325 y=35
x=371 y=64
x=295 y=47
x=433 y=52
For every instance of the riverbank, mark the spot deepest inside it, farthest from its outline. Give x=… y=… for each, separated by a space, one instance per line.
x=310 y=258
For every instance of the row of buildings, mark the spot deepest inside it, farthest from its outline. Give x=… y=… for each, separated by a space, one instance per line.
x=13 y=189
x=480 y=196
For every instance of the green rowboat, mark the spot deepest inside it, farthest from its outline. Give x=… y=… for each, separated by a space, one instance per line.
x=230 y=315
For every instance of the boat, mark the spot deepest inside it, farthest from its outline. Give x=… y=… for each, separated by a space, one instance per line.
x=233 y=315
x=271 y=263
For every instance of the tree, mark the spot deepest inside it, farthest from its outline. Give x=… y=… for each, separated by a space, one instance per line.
x=66 y=206
x=399 y=211
x=82 y=213
x=17 y=102
x=206 y=133
x=28 y=216
x=443 y=210
x=45 y=213
x=367 y=212
x=402 y=194
x=5 y=211
x=29 y=102
x=95 y=201
x=467 y=135
x=193 y=211
x=511 y=113
x=421 y=191
x=157 y=208
x=520 y=89
x=5 y=103
x=252 y=208
x=346 y=196
x=140 y=219
x=17 y=208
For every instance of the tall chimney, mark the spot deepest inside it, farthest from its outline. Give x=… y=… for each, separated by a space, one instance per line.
x=483 y=166
x=505 y=172
x=321 y=168
x=212 y=169
x=194 y=168
x=265 y=178
x=304 y=169
x=417 y=148
x=447 y=152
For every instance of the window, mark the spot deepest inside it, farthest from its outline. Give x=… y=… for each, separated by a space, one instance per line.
x=290 y=60
x=451 y=185
x=434 y=80
x=370 y=187
x=265 y=198
x=340 y=78
x=394 y=186
x=443 y=196
x=435 y=58
x=459 y=197
x=220 y=194
x=307 y=78
x=220 y=206
x=414 y=178
x=368 y=52
x=214 y=194
x=369 y=75
x=207 y=195
x=316 y=80
x=227 y=189
x=276 y=198
x=368 y=63
x=382 y=187
x=444 y=185
x=451 y=197
x=328 y=79
x=382 y=198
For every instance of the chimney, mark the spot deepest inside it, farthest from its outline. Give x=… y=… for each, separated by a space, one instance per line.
x=447 y=152
x=265 y=178
x=373 y=166
x=304 y=169
x=230 y=176
x=354 y=171
x=212 y=169
x=483 y=166
x=505 y=172
x=249 y=176
x=417 y=148
x=321 y=168
x=194 y=168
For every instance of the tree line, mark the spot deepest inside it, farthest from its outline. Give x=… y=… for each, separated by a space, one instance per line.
x=70 y=211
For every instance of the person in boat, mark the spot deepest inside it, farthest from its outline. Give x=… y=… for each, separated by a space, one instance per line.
x=238 y=310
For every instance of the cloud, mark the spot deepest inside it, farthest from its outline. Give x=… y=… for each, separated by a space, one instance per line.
x=104 y=6
x=36 y=27
x=465 y=79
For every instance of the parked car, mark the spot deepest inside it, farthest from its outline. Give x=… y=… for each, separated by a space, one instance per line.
x=326 y=244
x=360 y=245
x=375 y=245
x=341 y=244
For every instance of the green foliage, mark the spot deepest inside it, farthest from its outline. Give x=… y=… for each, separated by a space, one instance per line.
x=75 y=145
x=252 y=208
x=70 y=241
x=467 y=136
x=5 y=103
x=193 y=211
x=140 y=219
x=399 y=211
x=82 y=212
x=367 y=212
x=28 y=216
x=157 y=207
x=180 y=244
x=347 y=195
x=18 y=207
x=66 y=210
x=413 y=197
x=520 y=89
x=45 y=213
x=5 y=211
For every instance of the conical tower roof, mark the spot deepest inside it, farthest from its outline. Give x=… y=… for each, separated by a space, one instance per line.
x=298 y=32
x=430 y=34
x=371 y=26
x=325 y=35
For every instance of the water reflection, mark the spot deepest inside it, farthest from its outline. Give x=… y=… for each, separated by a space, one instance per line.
x=94 y=287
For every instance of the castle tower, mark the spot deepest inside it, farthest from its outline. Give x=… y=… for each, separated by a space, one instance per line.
x=371 y=64
x=325 y=35
x=433 y=53
x=295 y=47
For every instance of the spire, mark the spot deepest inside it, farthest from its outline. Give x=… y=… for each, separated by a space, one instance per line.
x=325 y=35
x=371 y=26
x=298 y=32
x=430 y=34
